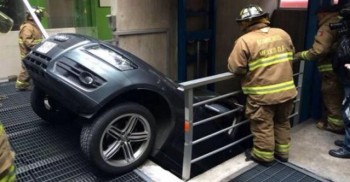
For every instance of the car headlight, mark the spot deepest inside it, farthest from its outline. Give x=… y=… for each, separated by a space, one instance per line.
x=111 y=57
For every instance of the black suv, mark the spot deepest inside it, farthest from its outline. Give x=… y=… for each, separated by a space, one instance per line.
x=131 y=111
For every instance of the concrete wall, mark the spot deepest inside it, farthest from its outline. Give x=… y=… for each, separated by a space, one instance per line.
x=9 y=54
x=147 y=28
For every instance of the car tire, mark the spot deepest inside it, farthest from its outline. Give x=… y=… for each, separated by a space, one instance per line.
x=107 y=142
x=50 y=113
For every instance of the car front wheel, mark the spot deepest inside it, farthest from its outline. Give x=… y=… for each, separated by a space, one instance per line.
x=119 y=139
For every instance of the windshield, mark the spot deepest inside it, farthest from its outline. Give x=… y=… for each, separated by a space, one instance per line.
x=111 y=57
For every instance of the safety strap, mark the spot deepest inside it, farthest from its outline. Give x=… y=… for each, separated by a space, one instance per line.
x=269 y=89
x=263 y=62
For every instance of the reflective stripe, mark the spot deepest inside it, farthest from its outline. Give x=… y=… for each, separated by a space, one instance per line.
x=266 y=156
x=269 y=89
x=278 y=58
x=21 y=83
x=335 y=121
x=2 y=129
x=282 y=148
x=325 y=68
x=10 y=175
x=36 y=41
x=304 y=55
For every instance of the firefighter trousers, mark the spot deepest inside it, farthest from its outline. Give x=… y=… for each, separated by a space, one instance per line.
x=270 y=127
x=332 y=96
x=23 y=79
x=7 y=168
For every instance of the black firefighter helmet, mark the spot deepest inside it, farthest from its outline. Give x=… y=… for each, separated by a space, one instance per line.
x=251 y=12
x=39 y=12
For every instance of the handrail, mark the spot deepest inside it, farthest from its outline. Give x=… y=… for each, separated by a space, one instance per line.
x=187 y=88
x=219 y=132
x=215 y=117
x=216 y=98
x=221 y=148
x=205 y=81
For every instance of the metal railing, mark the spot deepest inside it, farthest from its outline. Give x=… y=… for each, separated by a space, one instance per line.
x=189 y=125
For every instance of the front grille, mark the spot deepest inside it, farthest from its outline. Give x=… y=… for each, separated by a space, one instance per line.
x=39 y=59
x=74 y=71
x=37 y=63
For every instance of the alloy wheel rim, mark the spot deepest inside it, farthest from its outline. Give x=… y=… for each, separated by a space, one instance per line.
x=125 y=139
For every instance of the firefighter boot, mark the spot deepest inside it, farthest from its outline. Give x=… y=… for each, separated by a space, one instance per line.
x=249 y=157
x=339 y=143
x=22 y=86
x=334 y=129
x=340 y=153
x=321 y=125
x=282 y=159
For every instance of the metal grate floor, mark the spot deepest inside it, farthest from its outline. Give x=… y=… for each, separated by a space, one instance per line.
x=278 y=172
x=46 y=152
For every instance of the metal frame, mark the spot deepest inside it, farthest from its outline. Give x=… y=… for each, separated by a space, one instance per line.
x=299 y=88
x=204 y=35
x=188 y=88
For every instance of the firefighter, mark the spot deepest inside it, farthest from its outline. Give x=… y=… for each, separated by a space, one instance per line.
x=29 y=36
x=262 y=57
x=341 y=65
x=323 y=50
x=7 y=168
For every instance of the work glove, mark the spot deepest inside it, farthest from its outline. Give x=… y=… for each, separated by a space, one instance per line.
x=300 y=56
x=297 y=56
